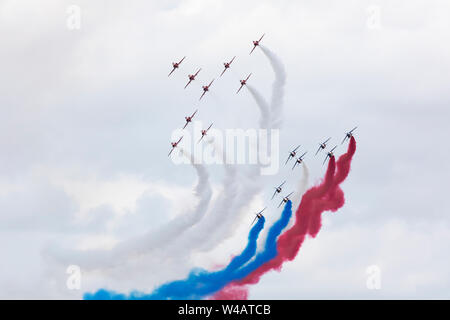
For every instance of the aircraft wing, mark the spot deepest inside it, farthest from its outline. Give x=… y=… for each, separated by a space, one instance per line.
x=327 y=140
x=170 y=152
x=194 y=113
x=202 y=95
x=209 y=127
x=345 y=138
x=282 y=184
x=325 y=159
x=289 y=158
x=181 y=60
x=252 y=50
x=248 y=77
x=187 y=84
x=294 y=165
x=261 y=37
x=223 y=71
x=197 y=72
x=239 y=88
x=274 y=193
x=289 y=194
x=171 y=72
x=262 y=210
x=296 y=148
x=254 y=220
x=318 y=149
x=280 y=204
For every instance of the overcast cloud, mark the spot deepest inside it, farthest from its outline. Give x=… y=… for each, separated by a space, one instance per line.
x=87 y=116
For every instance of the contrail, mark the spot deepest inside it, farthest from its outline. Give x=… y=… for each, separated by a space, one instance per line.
x=201 y=237
x=278 y=85
x=239 y=189
x=145 y=243
x=199 y=282
x=326 y=196
x=264 y=121
x=179 y=224
x=226 y=212
x=301 y=187
x=177 y=252
x=250 y=184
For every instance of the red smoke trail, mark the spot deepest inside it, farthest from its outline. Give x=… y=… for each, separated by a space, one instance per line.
x=326 y=196
x=335 y=196
x=231 y=292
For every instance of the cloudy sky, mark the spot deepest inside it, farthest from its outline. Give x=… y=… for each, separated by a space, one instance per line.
x=88 y=113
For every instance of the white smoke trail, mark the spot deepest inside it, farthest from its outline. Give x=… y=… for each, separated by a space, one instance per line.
x=270 y=118
x=139 y=245
x=251 y=184
x=264 y=121
x=178 y=225
x=221 y=220
x=177 y=254
x=277 y=87
x=202 y=236
x=239 y=190
x=299 y=191
x=301 y=187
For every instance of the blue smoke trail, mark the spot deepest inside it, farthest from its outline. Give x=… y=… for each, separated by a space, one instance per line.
x=270 y=247
x=197 y=283
x=269 y=252
x=201 y=283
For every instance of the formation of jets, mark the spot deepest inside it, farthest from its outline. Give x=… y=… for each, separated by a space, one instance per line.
x=243 y=83
x=206 y=88
x=299 y=160
x=285 y=199
x=175 y=65
x=329 y=154
x=192 y=77
x=348 y=135
x=174 y=145
x=189 y=119
x=278 y=189
x=227 y=65
x=322 y=145
x=292 y=154
x=204 y=132
x=259 y=215
x=256 y=43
